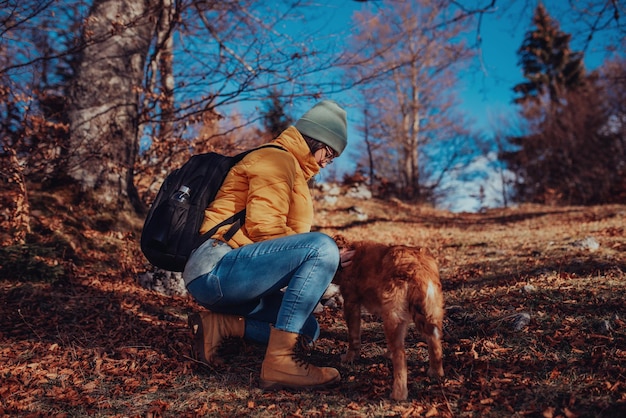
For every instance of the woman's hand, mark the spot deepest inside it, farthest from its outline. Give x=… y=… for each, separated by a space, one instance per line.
x=345 y=255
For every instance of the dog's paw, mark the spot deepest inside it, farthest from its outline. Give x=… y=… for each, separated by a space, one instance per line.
x=399 y=393
x=348 y=357
x=435 y=373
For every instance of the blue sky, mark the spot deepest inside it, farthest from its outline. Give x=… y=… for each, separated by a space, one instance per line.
x=484 y=90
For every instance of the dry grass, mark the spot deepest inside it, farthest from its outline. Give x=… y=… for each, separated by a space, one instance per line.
x=91 y=342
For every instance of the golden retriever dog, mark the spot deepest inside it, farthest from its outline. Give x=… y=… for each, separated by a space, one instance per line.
x=400 y=284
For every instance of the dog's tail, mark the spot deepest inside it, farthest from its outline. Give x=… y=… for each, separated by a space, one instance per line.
x=427 y=302
x=430 y=321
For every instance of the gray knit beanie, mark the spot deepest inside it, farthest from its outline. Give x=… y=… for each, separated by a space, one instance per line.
x=326 y=122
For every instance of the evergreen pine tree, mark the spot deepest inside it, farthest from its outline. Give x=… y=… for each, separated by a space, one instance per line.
x=550 y=67
x=567 y=155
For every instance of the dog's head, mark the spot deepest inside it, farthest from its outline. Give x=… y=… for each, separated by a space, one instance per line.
x=342 y=242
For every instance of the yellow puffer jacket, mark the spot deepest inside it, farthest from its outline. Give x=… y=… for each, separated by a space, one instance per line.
x=271 y=184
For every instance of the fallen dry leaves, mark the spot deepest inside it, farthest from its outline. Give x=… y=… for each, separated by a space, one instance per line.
x=92 y=342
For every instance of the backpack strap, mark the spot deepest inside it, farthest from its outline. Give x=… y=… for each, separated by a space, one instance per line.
x=236 y=220
x=236 y=226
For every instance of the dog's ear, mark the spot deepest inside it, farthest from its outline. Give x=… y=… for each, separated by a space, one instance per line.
x=341 y=241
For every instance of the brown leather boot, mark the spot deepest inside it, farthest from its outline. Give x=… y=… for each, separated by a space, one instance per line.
x=209 y=329
x=281 y=369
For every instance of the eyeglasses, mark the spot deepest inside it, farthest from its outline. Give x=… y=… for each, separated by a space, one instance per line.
x=330 y=155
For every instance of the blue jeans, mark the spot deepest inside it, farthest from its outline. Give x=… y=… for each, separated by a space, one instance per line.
x=248 y=280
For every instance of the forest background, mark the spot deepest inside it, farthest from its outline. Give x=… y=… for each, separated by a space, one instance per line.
x=116 y=94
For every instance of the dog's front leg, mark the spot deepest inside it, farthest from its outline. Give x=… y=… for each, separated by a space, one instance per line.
x=352 y=315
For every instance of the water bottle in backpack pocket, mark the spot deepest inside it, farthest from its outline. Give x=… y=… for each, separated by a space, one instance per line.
x=182 y=195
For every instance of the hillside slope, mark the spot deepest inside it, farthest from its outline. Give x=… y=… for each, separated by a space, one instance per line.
x=536 y=322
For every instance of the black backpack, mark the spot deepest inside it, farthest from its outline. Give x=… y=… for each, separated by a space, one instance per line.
x=171 y=230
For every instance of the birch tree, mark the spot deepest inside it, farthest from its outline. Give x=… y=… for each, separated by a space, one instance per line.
x=408 y=52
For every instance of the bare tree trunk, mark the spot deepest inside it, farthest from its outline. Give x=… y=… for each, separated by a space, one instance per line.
x=370 y=154
x=166 y=70
x=104 y=99
x=19 y=209
x=414 y=139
